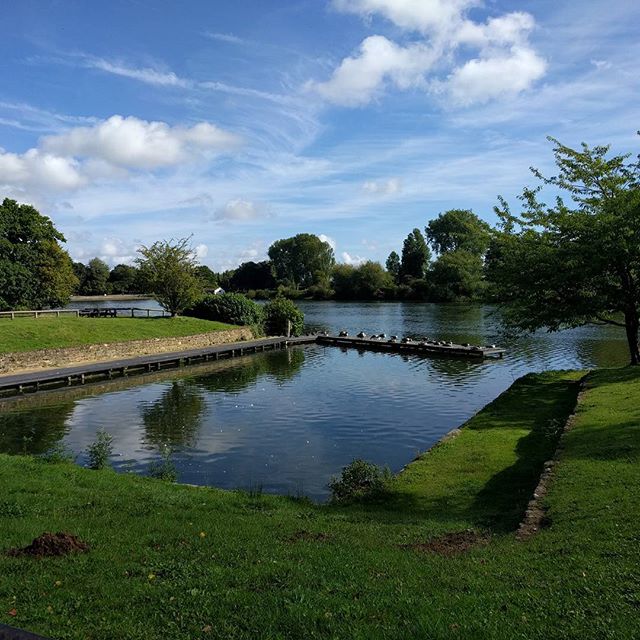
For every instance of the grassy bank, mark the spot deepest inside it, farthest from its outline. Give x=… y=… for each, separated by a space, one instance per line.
x=179 y=562
x=30 y=334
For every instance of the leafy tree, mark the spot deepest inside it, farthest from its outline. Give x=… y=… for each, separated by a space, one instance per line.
x=169 y=268
x=253 y=275
x=456 y=275
x=96 y=277
x=415 y=256
x=458 y=229
x=233 y=308
x=574 y=262
x=125 y=279
x=368 y=281
x=302 y=261
x=207 y=277
x=35 y=271
x=393 y=266
x=283 y=318
x=80 y=272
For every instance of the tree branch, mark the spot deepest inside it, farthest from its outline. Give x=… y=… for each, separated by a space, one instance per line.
x=613 y=322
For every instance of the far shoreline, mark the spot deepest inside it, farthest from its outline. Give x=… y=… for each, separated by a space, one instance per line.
x=112 y=297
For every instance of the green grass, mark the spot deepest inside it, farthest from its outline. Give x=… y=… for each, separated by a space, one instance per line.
x=260 y=570
x=30 y=334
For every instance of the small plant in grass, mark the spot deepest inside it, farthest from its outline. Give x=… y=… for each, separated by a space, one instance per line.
x=283 y=318
x=58 y=454
x=359 y=481
x=164 y=469
x=100 y=450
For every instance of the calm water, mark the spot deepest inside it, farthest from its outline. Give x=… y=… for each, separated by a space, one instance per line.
x=287 y=421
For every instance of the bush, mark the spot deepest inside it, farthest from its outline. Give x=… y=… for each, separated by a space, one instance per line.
x=58 y=454
x=164 y=469
x=100 y=450
x=359 y=480
x=280 y=315
x=233 y=308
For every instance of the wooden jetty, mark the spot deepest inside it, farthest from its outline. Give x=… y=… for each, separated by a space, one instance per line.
x=426 y=347
x=23 y=383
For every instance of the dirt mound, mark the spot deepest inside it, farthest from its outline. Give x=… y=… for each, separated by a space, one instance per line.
x=52 y=544
x=451 y=544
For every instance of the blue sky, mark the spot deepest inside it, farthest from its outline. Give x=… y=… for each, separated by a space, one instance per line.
x=243 y=122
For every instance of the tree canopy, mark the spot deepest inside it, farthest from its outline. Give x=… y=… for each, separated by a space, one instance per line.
x=35 y=272
x=576 y=261
x=415 y=256
x=458 y=229
x=302 y=261
x=169 y=268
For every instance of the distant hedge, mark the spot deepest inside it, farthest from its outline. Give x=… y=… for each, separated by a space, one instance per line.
x=233 y=308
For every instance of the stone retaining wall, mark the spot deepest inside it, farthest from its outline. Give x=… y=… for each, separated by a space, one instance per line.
x=54 y=358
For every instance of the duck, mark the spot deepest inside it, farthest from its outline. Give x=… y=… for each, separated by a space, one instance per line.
x=362 y=334
x=343 y=334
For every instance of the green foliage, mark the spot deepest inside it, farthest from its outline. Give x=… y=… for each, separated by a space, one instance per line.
x=169 y=267
x=458 y=230
x=393 y=266
x=302 y=261
x=125 y=279
x=95 y=279
x=573 y=263
x=283 y=318
x=253 y=275
x=233 y=308
x=368 y=281
x=359 y=481
x=35 y=272
x=100 y=450
x=415 y=256
x=206 y=276
x=164 y=469
x=456 y=275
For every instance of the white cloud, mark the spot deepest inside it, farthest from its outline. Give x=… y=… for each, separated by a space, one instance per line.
x=241 y=210
x=37 y=168
x=201 y=251
x=329 y=240
x=505 y=62
x=134 y=143
x=347 y=258
x=145 y=74
x=115 y=251
x=224 y=37
x=383 y=187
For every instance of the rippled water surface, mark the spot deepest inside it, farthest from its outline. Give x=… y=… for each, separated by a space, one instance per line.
x=286 y=421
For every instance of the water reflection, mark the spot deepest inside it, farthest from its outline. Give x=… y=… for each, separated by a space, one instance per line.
x=175 y=418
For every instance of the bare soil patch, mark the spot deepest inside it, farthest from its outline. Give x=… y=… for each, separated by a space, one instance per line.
x=52 y=545
x=451 y=544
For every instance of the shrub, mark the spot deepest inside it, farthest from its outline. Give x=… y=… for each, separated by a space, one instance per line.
x=359 y=480
x=164 y=469
x=233 y=308
x=100 y=450
x=280 y=316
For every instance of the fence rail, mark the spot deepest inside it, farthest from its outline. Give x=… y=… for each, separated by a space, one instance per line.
x=90 y=312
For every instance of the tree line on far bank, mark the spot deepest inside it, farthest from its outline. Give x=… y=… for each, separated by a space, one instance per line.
x=555 y=266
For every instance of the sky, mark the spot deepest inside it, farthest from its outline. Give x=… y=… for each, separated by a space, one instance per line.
x=241 y=122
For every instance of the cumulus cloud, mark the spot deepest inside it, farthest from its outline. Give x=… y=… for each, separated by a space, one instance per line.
x=201 y=251
x=347 y=258
x=36 y=168
x=329 y=240
x=115 y=251
x=241 y=210
x=139 y=144
x=383 y=187
x=505 y=63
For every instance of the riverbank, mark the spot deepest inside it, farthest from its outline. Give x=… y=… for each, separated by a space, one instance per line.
x=41 y=343
x=115 y=297
x=438 y=557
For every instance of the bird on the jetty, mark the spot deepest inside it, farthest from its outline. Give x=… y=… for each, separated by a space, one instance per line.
x=343 y=334
x=362 y=334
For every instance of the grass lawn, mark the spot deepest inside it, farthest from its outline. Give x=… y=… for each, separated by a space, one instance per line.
x=170 y=561
x=29 y=334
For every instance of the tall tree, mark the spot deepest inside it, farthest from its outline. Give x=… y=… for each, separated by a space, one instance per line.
x=125 y=279
x=393 y=266
x=169 y=267
x=96 y=277
x=455 y=276
x=253 y=275
x=302 y=261
x=458 y=229
x=35 y=271
x=574 y=262
x=415 y=256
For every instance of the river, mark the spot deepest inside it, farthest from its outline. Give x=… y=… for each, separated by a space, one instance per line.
x=285 y=422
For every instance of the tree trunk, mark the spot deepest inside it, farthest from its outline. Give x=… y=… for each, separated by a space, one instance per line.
x=632 y=325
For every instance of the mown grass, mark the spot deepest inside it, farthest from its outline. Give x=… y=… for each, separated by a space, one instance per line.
x=30 y=334
x=170 y=561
